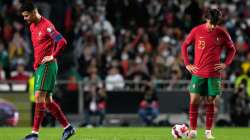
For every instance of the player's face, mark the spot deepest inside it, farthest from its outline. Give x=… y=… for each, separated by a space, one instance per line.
x=28 y=16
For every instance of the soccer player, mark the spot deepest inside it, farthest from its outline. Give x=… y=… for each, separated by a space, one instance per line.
x=209 y=40
x=48 y=43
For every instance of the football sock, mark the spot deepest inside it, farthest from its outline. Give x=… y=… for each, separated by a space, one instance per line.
x=209 y=116
x=193 y=115
x=34 y=132
x=208 y=131
x=67 y=126
x=39 y=115
x=57 y=113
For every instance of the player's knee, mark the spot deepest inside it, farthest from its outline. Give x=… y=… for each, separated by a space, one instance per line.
x=194 y=100
x=39 y=97
x=211 y=100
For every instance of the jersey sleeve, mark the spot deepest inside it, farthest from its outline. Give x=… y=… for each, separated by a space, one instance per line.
x=53 y=33
x=184 y=49
x=228 y=43
x=61 y=43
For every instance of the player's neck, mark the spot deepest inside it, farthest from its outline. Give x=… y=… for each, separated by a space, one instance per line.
x=38 y=18
x=210 y=27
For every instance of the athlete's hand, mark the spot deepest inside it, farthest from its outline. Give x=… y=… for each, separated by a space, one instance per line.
x=47 y=59
x=220 y=67
x=191 y=68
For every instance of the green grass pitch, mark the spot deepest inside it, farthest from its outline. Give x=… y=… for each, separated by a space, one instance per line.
x=128 y=133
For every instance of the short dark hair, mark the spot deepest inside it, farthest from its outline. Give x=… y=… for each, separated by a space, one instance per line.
x=27 y=6
x=213 y=15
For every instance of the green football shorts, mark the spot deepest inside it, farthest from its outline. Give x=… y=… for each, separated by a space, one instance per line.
x=45 y=77
x=205 y=86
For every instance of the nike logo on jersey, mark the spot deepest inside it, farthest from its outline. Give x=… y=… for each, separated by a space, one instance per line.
x=218 y=41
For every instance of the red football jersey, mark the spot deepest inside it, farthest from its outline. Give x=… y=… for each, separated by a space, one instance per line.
x=44 y=37
x=208 y=46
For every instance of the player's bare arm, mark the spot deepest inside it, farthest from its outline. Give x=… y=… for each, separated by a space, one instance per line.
x=220 y=67
x=47 y=59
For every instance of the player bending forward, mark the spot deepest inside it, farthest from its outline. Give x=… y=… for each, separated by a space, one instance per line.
x=48 y=43
x=209 y=40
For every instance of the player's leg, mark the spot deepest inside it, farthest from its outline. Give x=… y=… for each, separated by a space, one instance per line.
x=49 y=85
x=196 y=87
x=193 y=113
x=52 y=106
x=210 y=105
x=56 y=111
x=40 y=105
x=40 y=108
x=214 y=89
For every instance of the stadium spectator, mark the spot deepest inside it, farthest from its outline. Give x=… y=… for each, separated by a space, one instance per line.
x=92 y=79
x=149 y=107
x=245 y=65
x=94 y=99
x=175 y=77
x=7 y=32
x=88 y=53
x=138 y=74
x=101 y=24
x=20 y=74
x=240 y=78
x=2 y=73
x=4 y=58
x=18 y=49
x=161 y=19
x=73 y=78
x=125 y=60
x=114 y=79
x=239 y=106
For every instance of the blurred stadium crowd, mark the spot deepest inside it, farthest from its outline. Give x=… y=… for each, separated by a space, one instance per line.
x=131 y=39
x=119 y=40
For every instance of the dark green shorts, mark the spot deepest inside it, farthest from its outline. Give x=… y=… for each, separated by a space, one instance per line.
x=45 y=77
x=205 y=86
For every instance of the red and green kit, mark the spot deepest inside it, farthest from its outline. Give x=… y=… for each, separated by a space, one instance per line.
x=208 y=46
x=47 y=41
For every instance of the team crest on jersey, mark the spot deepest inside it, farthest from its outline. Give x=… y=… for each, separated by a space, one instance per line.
x=39 y=33
x=217 y=41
